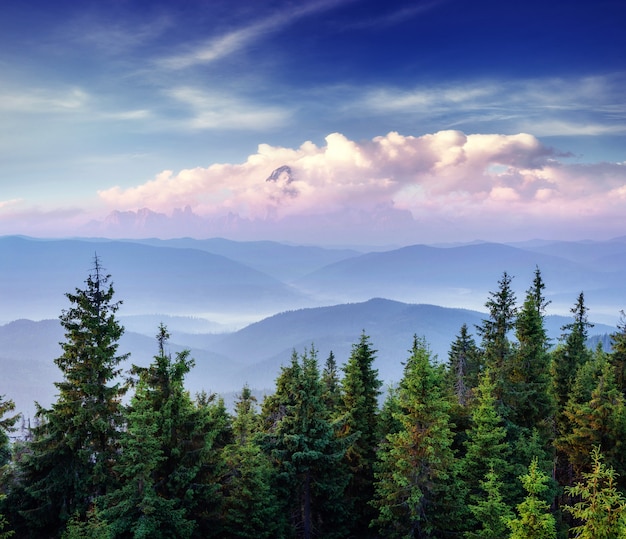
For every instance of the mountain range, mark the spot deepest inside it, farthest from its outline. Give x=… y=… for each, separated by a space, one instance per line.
x=243 y=307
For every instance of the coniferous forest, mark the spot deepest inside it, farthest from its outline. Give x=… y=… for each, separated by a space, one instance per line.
x=510 y=436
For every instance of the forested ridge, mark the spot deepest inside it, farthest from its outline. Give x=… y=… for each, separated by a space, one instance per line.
x=512 y=437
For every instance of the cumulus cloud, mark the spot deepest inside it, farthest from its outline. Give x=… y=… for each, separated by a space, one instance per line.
x=449 y=176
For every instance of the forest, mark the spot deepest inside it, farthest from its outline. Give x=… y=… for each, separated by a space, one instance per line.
x=512 y=436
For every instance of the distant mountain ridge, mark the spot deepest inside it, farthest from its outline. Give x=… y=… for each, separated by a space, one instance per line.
x=252 y=355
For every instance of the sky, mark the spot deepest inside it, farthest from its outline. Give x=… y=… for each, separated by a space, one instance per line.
x=314 y=121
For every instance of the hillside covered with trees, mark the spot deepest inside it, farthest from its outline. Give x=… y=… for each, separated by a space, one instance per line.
x=509 y=438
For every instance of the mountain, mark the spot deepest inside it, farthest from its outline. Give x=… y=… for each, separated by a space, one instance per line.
x=282 y=261
x=252 y=355
x=36 y=274
x=463 y=276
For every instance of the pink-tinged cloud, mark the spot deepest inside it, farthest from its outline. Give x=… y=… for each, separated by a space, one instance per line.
x=446 y=175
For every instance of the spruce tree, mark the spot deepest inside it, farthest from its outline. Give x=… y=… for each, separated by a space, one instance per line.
x=76 y=444
x=302 y=443
x=360 y=427
x=601 y=508
x=596 y=414
x=529 y=397
x=464 y=366
x=534 y=520
x=331 y=383
x=570 y=355
x=250 y=507
x=416 y=487
x=491 y=512
x=497 y=348
x=487 y=448
x=618 y=353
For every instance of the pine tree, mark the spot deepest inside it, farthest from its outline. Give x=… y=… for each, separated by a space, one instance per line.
x=534 y=520
x=490 y=512
x=74 y=448
x=596 y=413
x=602 y=507
x=302 y=443
x=250 y=508
x=571 y=355
x=415 y=483
x=529 y=396
x=618 y=353
x=487 y=448
x=497 y=348
x=463 y=366
x=331 y=384
x=360 y=426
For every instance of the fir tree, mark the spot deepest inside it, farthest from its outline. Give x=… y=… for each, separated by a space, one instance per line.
x=463 y=366
x=331 y=383
x=302 y=443
x=415 y=483
x=497 y=348
x=529 y=397
x=602 y=507
x=250 y=508
x=491 y=512
x=487 y=448
x=534 y=520
x=360 y=426
x=75 y=446
x=618 y=353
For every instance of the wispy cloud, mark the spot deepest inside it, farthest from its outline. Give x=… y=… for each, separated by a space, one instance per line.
x=214 y=110
x=552 y=106
x=225 y=44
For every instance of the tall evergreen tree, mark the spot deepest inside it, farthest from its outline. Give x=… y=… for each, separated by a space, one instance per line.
x=497 y=348
x=618 y=353
x=464 y=366
x=534 y=520
x=596 y=414
x=415 y=481
x=490 y=512
x=331 y=384
x=487 y=448
x=601 y=508
x=302 y=443
x=250 y=507
x=360 y=426
x=529 y=396
x=569 y=356
x=75 y=446
x=7 y=425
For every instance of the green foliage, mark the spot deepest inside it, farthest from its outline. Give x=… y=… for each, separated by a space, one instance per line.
x=491 y=512
x=486 y=446
x=94 y=527
x=361 y=430
x=415 y=472
x=464 y=366
x=618 y=353
x=602 y=507
x=70 y=459
x=495 y=330
x=302 y=443
x=534 y=520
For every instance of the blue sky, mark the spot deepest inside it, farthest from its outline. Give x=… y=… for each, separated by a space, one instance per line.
x=401 y=122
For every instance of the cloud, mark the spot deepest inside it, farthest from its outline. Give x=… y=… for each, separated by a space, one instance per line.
x=446 y=175
x=212 y=110
x=592 y=105
x=228 y=43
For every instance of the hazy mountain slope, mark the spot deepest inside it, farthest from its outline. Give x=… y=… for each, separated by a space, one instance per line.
x=283 y=261
x=36 y=274
x=459 y=276
x=252 y=355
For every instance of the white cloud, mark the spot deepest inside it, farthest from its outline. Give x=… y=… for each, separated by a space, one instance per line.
x=212 y=110
x=447 y=175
